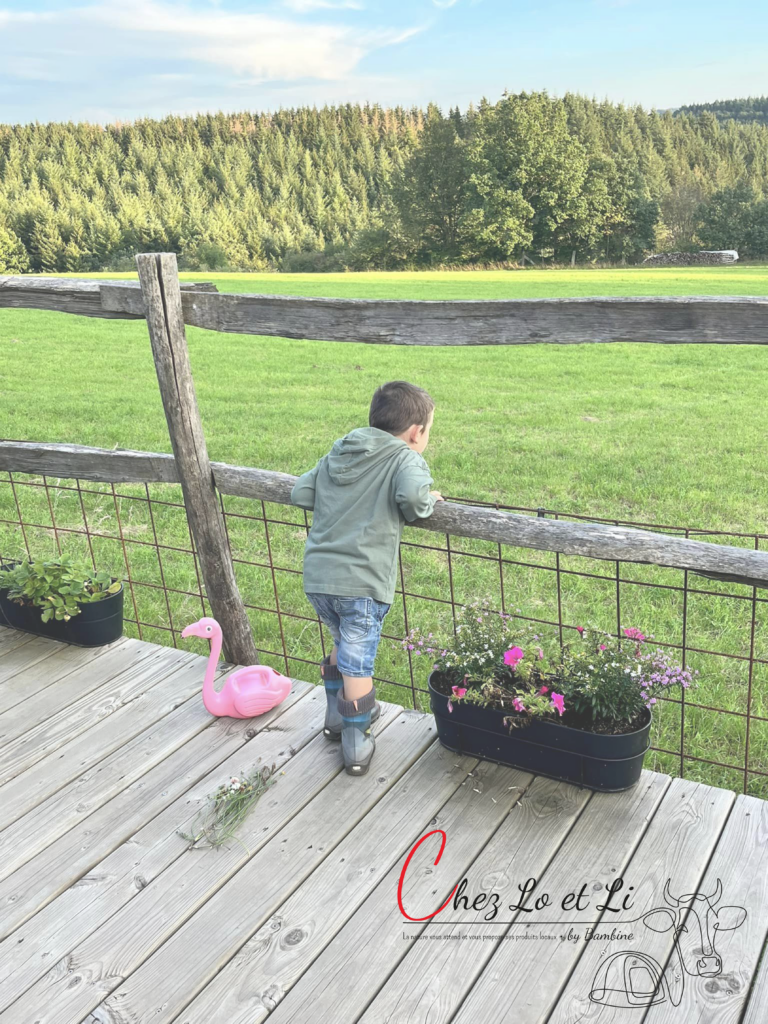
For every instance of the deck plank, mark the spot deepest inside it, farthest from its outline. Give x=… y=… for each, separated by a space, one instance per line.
x=432 y=793
x=19 y=658
x=70 y=765
x=435 y=976
x=30 y=688
x=740 y=861
x=124 y=685
x=342 y=981
x=91 y=770
x=75 y=670
x=84 y=979
x=757 y=1007
x=193 y=955
x=527 y=975
x=10 y=638
x=677 y=846
x=133 y=839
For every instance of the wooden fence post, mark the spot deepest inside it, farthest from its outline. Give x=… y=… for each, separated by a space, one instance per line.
x=159 y=279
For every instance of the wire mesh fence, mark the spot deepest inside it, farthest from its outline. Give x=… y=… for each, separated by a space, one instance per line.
x=716 y=733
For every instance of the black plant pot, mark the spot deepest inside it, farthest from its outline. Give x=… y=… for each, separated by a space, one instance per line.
x=600 y=761
x=99 y=622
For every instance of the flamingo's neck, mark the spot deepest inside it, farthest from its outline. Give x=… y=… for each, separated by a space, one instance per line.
x=210 y=698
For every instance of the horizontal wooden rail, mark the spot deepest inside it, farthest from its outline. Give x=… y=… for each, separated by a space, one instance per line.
x=83 y=296
x=591 y=540
x=75 y=461
x=666 y=319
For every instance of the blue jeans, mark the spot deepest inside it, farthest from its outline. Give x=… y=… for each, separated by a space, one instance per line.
x=355 y=625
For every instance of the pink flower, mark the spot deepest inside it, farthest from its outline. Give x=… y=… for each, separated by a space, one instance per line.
x=541 y=654
x=603 y=647
x=544 y=689
x=559 y=702
x=458 y=691
x=580 y=630
x=512 y=656
x=634 y=634
x=518 y=705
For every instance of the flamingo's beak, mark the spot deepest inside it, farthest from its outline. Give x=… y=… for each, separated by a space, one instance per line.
x=188 y=631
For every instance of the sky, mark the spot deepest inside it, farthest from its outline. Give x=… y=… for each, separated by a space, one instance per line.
x=117 y=60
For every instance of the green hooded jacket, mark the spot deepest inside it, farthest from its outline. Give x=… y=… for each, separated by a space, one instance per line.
x=362 y=493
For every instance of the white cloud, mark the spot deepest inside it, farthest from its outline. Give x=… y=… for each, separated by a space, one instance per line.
x=303 y=6
x=262 y=47
x=445 y=3
x=29 y=68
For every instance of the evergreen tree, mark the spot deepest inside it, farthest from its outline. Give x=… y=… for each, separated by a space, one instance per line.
x=13 y=255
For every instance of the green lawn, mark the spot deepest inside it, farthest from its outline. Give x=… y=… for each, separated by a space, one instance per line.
x=652 y=433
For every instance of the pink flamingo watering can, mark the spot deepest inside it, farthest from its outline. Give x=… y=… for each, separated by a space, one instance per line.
x=247 y=691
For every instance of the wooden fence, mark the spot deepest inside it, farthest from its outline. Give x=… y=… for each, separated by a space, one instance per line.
x=167 y=306
x=666 y=320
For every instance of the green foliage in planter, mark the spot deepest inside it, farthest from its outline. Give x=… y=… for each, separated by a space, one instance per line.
x=603 y=681
x=609 y=680
x=59 y=586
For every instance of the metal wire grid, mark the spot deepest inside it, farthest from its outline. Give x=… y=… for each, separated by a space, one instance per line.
x=198 y=594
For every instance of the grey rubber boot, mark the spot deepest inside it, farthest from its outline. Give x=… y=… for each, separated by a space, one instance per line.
x=357 y=739
x=334 y=681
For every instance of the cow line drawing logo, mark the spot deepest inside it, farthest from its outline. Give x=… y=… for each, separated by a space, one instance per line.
x=630 y=979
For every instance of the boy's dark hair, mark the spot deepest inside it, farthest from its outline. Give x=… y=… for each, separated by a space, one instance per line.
x=398 y=405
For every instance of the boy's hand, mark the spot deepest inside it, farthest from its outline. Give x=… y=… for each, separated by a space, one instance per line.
x=438 y=495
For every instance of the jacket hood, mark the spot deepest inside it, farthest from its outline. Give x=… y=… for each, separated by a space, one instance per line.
x=361 y=451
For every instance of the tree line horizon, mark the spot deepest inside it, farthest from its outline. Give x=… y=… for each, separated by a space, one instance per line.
x=368 y=187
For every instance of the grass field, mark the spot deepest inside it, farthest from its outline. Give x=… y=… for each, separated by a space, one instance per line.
x=653 y=433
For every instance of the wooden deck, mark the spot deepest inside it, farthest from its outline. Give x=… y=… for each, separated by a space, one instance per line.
x=108 y=917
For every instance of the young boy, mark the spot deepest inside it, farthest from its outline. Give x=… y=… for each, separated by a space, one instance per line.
x=362 y=493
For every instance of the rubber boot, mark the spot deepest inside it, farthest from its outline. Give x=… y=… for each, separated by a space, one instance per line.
x=334 y=681
x=357 y=739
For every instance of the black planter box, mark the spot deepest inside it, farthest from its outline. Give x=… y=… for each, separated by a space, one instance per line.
x=99 y=622
x=593 y=760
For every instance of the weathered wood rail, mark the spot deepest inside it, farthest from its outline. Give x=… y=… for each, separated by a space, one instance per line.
x=82 y=296
x=590 y=540
x=666 y=320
